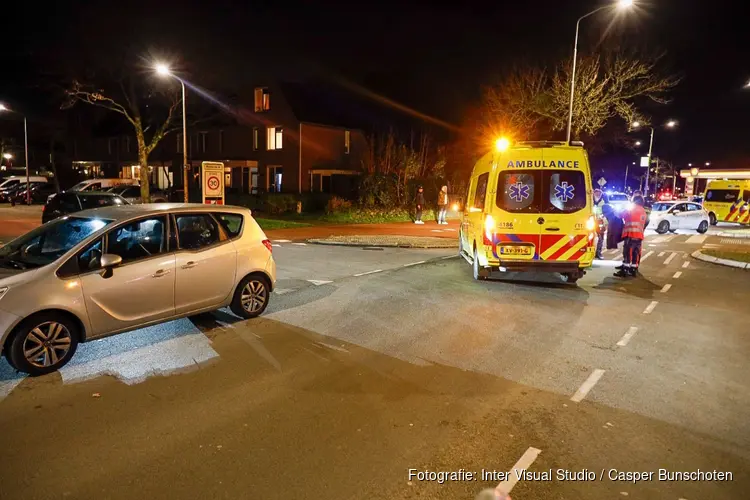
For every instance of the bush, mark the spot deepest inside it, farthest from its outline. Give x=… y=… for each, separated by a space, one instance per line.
x=337 y=205
x=280 y=203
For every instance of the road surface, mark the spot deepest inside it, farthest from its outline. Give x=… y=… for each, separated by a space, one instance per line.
x=370 y=363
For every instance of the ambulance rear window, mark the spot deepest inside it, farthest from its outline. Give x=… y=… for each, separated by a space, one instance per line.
x=565 y=191
x=722 y=195
x=517 y=191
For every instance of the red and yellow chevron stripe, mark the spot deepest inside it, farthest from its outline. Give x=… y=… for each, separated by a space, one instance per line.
x=565 y=247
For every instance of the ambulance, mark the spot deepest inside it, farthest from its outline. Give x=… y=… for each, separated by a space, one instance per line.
x=727 y=201
x=530 y=208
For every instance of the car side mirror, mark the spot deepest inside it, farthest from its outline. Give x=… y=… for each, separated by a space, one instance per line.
x=108 y=261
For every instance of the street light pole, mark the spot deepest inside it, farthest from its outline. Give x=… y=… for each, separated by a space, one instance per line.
x=648 y=168
x=185 y=180
x=26 y=151
x=625 y=185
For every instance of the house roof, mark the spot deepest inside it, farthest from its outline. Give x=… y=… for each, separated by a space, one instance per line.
x=325 y=105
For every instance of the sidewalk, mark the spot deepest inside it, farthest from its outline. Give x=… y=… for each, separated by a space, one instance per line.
x=432 y=230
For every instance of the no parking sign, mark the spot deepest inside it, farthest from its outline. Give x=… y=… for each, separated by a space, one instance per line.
x=213 y=182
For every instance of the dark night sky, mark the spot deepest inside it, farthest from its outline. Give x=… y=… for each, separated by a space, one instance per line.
x=432 y=56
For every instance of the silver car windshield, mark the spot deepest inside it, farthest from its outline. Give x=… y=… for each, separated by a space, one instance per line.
x=49 y=242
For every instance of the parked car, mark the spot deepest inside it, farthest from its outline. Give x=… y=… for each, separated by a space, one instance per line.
x=671 y=215
x=114 y=269
x=38 y=193
x=70 y=202
x=21 y=179
x=7 y=193
x=133 y=194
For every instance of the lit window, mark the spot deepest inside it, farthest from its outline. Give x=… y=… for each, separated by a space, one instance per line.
x=274 y=137
x=262 y=99
x=347 y=139
x=256 y=138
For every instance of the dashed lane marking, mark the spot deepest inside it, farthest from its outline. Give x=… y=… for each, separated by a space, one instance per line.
x=670 y=258
x=649 y=254
x=677 y=274
x=661 y=254
x=369 y=272
x=300 y=244
x=282 y=241
x=282 y=291
x=436 y=230
x=523 y=463
x=666 y=288
x=650 y=308
x=587 y=385
x=415 y=263
x=275 y=245
x=628 y=335
x=686 y=264
x=319 y=282
x=448 y=257
x=698 y=238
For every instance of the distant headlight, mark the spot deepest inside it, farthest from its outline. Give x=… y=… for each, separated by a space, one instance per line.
x=3 y=290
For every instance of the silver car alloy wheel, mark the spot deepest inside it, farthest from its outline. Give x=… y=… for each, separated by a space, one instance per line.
x=46 y=344
x=254 y=296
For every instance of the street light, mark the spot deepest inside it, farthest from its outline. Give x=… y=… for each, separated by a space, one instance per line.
x=163 y=70
x=7 y=156
x=637 y=143
x=622 y=5
x=26 y=149
x=637 y=124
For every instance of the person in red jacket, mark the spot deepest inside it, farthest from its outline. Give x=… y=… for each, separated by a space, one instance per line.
x=632 y=233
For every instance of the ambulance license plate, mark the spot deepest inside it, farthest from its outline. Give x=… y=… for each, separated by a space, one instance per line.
x=515 y=250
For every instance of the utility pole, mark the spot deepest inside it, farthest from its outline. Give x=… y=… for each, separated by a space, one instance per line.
x=625 y=185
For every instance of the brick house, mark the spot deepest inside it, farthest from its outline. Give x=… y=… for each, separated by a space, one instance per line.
x=286 y=138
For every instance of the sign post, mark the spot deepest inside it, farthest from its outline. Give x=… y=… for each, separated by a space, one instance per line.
x=213 y=182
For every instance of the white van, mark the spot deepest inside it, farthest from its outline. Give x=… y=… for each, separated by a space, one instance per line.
x=102 y=184
x=18 y=179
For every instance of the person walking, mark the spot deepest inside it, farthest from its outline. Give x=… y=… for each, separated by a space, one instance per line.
x=632 y=233
x=600 y=199
x=420 y=205
x=442 y=205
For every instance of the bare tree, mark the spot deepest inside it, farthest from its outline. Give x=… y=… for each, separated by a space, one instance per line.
x=607 y=86
x=148 y=109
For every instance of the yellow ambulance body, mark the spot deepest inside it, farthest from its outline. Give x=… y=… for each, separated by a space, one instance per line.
x=530 y=208
x=727 y=201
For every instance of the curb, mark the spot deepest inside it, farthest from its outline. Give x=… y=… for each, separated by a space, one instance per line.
x=730 y=234
x=722 y=262
x=387 y=245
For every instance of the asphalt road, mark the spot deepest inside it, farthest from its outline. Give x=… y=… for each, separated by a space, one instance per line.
x=369 y=363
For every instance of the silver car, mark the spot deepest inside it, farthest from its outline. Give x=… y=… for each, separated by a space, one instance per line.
x=108 y=270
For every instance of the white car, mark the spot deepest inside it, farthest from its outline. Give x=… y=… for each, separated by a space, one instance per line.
x=671 y=215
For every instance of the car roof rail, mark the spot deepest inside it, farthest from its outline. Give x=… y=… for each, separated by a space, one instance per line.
x=545 y=144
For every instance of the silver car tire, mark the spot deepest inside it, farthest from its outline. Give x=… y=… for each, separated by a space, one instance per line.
x=43 y=343
x=251 y=296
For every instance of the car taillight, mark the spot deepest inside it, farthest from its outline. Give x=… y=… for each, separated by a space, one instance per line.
x=267 y=244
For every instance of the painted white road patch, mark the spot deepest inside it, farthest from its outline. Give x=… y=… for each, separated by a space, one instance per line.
x=650 y=308
x=275 y=245
x=698 y=238
x=686 y=264
x=6 y=386
x=587 y=385
x=282 y=241
x=300 y=244
x=319 y=282
x=282 y=291
x=670 y=258
x=628 y=335
x=415 y=263
x=677 y=274
x=136 y=365
x=369 y=272
x=523 y=463
x=666 y=288
x=649 y=254
x=661 y=254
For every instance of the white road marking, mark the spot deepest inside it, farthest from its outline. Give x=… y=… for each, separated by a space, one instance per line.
x=649 y=254
x=282 y=291
x=7 y=386
x=282 y=241
x=711 y=245
x=698 y=238
x=300 y=244
x=685 y=265
x=331 y=346
x=448 y=257
x=369 y=272
x=436 y=230
x=628 y=335
x=587 y=385
x=449 y=229
x=319 y=282
x=415 y=263
x=666 y=288
x=523 y=463
x=677 y=274
x=650 y=308
x=275 y=245
x=669 y=259
x=661 y=254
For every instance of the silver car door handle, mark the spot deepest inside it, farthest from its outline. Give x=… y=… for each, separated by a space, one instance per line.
x=160 y=273
x=190 y=265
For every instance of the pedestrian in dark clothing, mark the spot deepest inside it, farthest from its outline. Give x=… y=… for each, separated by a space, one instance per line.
x=614 y=227
x=420 y=205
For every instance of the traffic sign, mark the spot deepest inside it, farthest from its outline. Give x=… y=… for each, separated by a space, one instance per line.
x=602 y=181
x=644 y=161
x=213 y=182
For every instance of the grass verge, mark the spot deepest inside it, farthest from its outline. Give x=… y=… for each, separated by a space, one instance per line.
x=720 y=254
x=269 y=224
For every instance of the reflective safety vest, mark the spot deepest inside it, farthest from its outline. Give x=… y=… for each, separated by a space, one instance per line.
x=635 y=223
